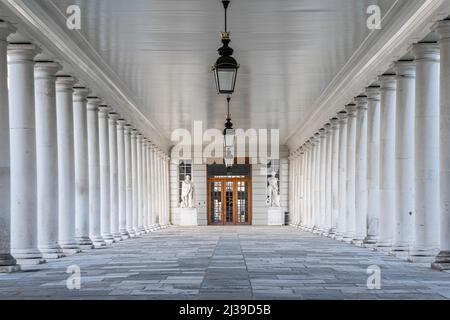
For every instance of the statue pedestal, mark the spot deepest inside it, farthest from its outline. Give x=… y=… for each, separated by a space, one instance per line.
x=275 y=216
x=187 y=217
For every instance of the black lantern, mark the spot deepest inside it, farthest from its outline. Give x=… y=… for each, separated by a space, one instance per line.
x=226 y=67
x=229 y=135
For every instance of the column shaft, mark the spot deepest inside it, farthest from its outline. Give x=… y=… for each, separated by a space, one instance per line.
x=361 y=171
x=134 y=163
x=342 y=216
x=351 y=175
x=7 y=262
x=373 y=165
x=387 y=162
x=404 y=156
x=46 y=157
x=81 y=168
x=129 y=179
x=66 y=164
x=427 y=188
x=114 y=176
x=94 y=172
x=105 y=182
x=122 y=181
x=442 y=261
x=23 y=154
x=334 y=175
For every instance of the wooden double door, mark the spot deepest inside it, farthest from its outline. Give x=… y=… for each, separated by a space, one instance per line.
x=229 y=201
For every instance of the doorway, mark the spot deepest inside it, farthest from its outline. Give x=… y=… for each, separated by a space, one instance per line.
x=229 y=200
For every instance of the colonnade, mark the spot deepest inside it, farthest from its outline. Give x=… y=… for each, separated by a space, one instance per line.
x=73 y=174
x=378 y=174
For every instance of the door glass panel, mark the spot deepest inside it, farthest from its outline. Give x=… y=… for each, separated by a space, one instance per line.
x=229 y=201
x=216 y=202
x=242 y=202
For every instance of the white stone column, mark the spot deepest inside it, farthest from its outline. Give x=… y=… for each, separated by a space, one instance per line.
x=81 y=167
x=23 y=154
x=334 y=176
x=149 y=188
x=105 y=183
x=309 y=214
x=144 y=185
x=404 y=157
x=316 y=189
x=442 y=261
x=373 y=166
x=167 y=194
x=312 y=207
x=361 y=171
x=305 y=185
x=350 y=219
x=387 y=162
x=94 y=172
x=140 y=184
x=427 y=185
x=300 y=192
x=121 y=172
x=342 y=216
x=322 y=181
x=328 y=179
x=158 y=183
x=114 y=176
x=46 y=157
x=129 y=179
x=7 y=262
x=66 y=164
x=154 y=187
x=134 y=174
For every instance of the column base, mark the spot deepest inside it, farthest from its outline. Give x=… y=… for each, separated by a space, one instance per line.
x=70 y=248
x=85 y=247
x=98 y=242
x=384 y=246
x=348 y=238
x=401 y=252
x=51 y=252
x=124 y=234
x=117 y=237
x=424 y=256
x=9 y=269
x=108 y=238
x=339 y=236
x=442 y=261
x=8 y=264
x=358 y=241
x=370 y=242
x=31 y=262
x=84 y=241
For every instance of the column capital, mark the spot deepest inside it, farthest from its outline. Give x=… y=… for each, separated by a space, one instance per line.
x=22 y=52
x=113 y=117
x=80 y=94
x=334 y=124
x=127 y=129
x=322 y=133
x=426 y=51
x=442 y=28
x=361 y=102
x=343 y=116
x=6 y=29
x=405 y=69
x=351 y=110
x=46 y=69
x=134 y=134
x=121 y=123
x=103 y=111
x=373 y=93
x=139 y=138
x=92 y=103
x=65 y=83
x=388 y=82
x=327 y=128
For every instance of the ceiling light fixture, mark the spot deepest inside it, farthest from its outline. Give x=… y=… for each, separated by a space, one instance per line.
x=226 y=67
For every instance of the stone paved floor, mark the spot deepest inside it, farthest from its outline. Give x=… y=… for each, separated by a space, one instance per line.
x=229 y=263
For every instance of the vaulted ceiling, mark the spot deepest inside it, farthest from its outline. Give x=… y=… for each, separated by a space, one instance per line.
x=161 y=51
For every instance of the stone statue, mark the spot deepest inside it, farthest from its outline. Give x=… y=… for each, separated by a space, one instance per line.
x=273 y=196
x=187 y=193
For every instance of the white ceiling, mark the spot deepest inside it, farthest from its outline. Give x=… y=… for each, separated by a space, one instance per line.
x=162 y=50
